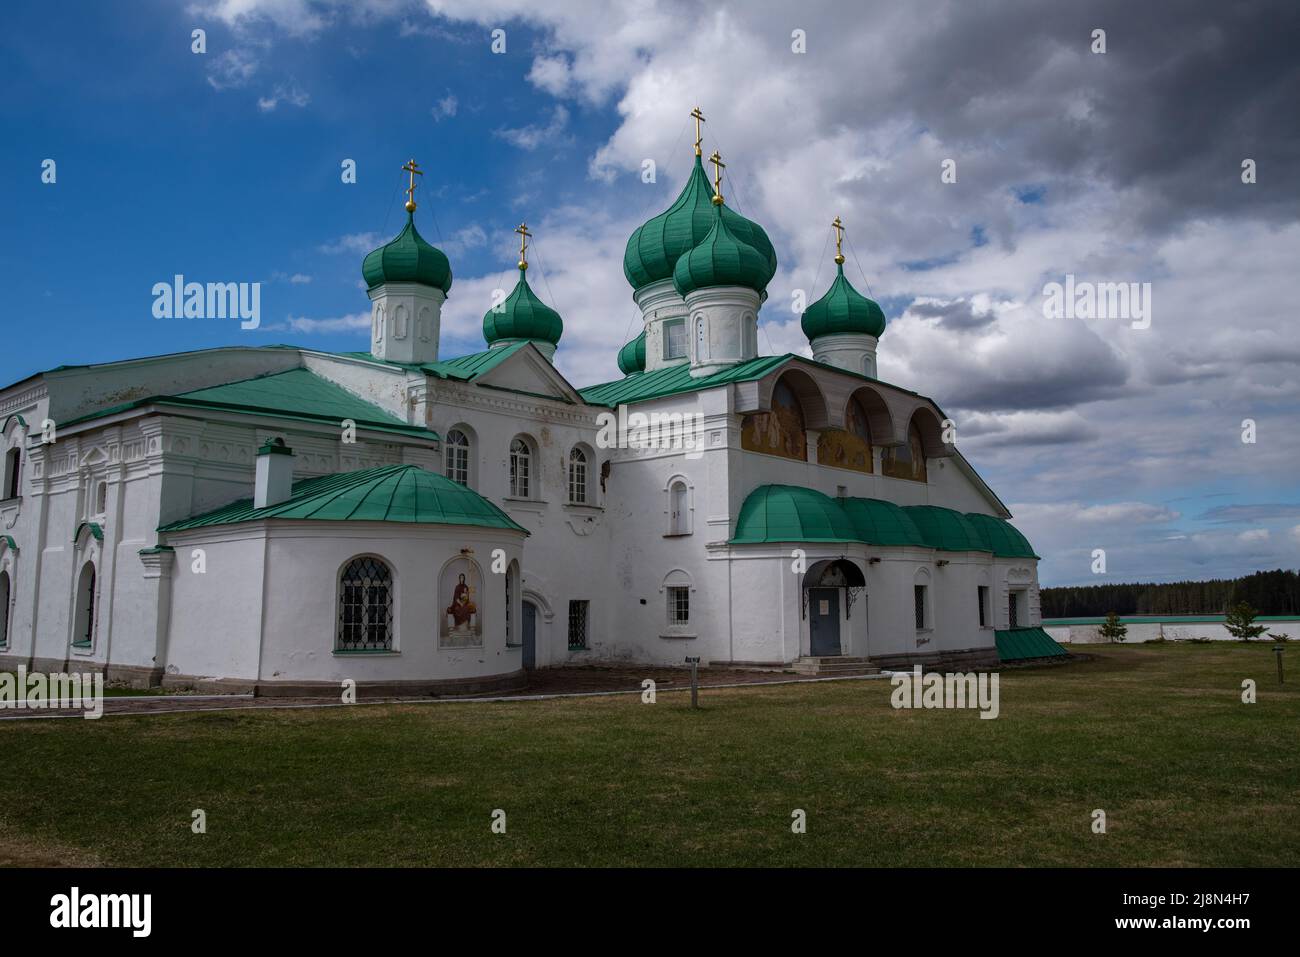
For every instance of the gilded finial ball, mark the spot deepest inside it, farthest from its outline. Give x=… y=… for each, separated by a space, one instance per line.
x=410 y=205
x=717 y=199
x=839 y=259
x=523 y=264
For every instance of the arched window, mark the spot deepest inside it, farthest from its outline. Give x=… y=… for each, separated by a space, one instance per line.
x=456 y=456
x=679 y=513
x=578 y=477
x=4 y=609
x=366 y=606
x=521 y=468
x=83 y=630
x=13 y=472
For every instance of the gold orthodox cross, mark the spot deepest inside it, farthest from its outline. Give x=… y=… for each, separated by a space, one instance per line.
x=718 y=167
x=699 y=118
x=522 y=230
x=839 y=239
x=415 y=171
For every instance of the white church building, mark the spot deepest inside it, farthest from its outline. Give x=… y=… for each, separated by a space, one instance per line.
x=279 y=519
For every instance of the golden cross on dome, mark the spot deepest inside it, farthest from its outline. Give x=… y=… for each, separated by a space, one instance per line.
x=718 y=167
x=522 y=230
x=699 y=118
x=839 y=240
x=415 y=171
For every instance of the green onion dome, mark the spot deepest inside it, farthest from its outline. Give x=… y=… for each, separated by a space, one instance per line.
x=722 y=258
x=407 y=258
x=522 y=316
x=631 y=358
x=843 y=309
x=654 y=247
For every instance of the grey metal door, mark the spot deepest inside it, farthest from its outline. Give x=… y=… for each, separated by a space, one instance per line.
x=530 y=635
x=824 y=621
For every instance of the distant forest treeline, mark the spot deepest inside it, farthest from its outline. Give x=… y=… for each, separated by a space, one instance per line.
x=1269 y=593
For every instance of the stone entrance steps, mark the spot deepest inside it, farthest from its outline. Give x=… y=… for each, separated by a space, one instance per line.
x=831 y=665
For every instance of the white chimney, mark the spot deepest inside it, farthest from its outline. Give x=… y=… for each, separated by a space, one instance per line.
x=274 y=483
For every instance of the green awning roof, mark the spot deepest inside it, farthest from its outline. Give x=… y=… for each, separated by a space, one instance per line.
x=387 y=493
x=1022 y=644
x=294 y=394
x=881 y=523
x=947 y=529
x=1000 y=536
x=790 y=513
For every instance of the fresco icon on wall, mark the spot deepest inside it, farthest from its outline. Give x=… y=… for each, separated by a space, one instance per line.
x=459 y=593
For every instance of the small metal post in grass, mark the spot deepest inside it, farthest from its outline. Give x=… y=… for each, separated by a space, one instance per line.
x=1277 y=650
x=695 y=680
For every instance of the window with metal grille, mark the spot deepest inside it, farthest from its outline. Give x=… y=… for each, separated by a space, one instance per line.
x=1013 y=609
x=521 y=458
x=578 y=477
x=918 y=592
x=577 y=623
x=679 y=605
x=456 y=456
x=675 y=339
x=984 y=605
x=366 y=606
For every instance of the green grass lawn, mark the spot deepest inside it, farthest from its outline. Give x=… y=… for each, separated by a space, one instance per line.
x=1155 y=735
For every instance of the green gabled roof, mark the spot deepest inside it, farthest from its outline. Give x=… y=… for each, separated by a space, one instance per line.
x=1020 y=644
x=675 y=379
x=522 y=316
x=462 y=368
x=293 y=394
x=631 y=358
x=407 y=258
x=946 y=529
x=386 y=493
x=882 y=523
x=842 y=310
x=1000 y=537
x=791 y=513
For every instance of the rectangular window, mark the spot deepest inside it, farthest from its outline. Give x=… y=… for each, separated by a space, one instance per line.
x=675 y=339
x=984 y=605
x=13 y=472
x=578 y=624
x=1013 y=611
x=918 y=592
x=458 y=464
x=679 y=605
x=578 y=480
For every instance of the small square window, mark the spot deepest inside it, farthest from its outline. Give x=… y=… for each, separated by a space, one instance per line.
x=675 y=339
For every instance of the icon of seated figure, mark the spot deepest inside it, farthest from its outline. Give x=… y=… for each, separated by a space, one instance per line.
x=462 y=608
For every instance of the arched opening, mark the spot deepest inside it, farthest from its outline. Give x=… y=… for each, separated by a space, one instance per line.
x=906 y=461
x=850 y=447
x=460 y=591
x=830 y=586
x=4 y=609
x=521 y=467
x=366 y=605
x=83 y=628
x=456 y=455
x=679 y=514
x=782 y=430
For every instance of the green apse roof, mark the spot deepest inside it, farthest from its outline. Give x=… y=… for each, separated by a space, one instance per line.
x=722 y=258
x=654 y=247
x=1021 y=644
x=522 y=316
x=387 y=493
x=791 y=513
x=946 y=529
x=882 y=523
x=1000 y=536
x=842 y=310
x=631 y=358
x=407 y=258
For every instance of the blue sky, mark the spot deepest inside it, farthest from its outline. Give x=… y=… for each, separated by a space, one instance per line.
x=225 y=167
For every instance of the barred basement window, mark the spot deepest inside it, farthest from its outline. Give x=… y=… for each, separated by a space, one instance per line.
x=578 y=477
x=366 y=606
x=679 y=605
x=578 y=624
x=456 y=456
x=918 y=592
x=520 y=466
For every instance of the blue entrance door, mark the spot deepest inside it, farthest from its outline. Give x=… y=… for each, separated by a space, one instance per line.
x=824 y=621
x=530 y=635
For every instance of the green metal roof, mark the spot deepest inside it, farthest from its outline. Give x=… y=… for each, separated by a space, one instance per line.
x=654 y=247
x=882 y=523
x=946 y=529
x=842 y=310
x=675 y=379
x=791 y=513
x=522 y=316
x=293 y=394
x=95 y=531
x=463 y=368
x=407 y=258
x=722 y=258
x=1000 y=536
x=386 y=493
x=1021 y=644
x=631 y=358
